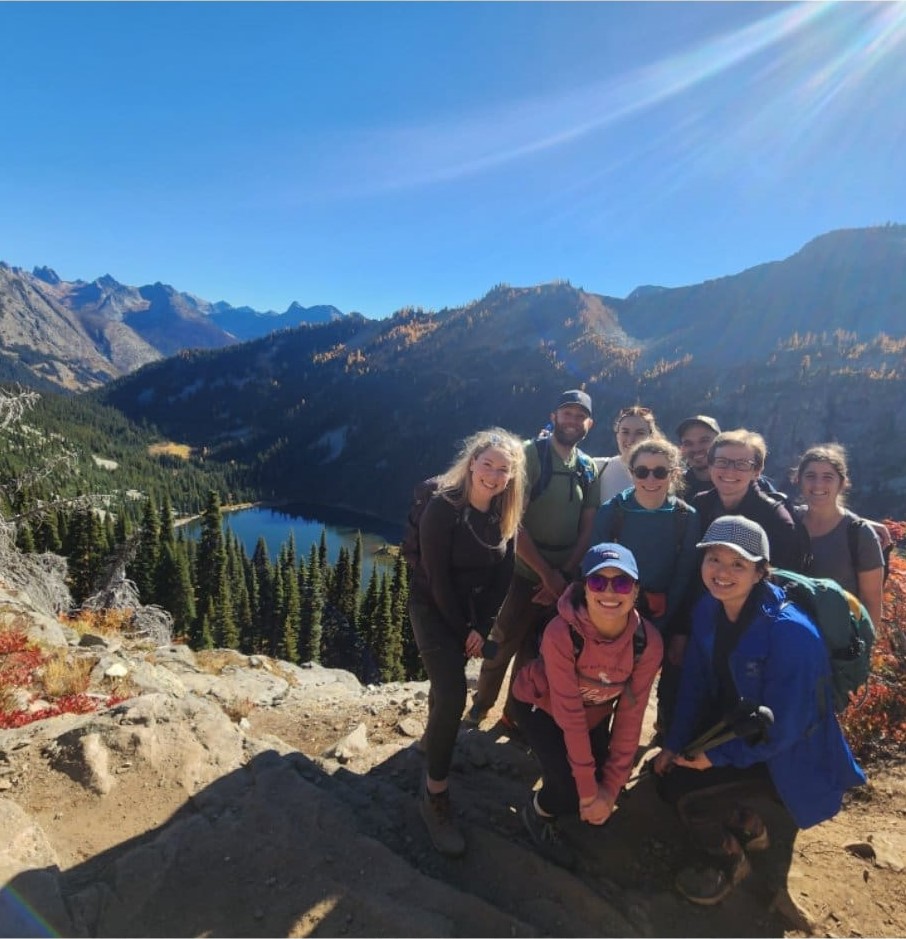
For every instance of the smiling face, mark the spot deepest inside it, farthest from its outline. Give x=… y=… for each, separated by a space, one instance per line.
x=630 y=430
x=651 y=492
x=729 y=577
x=694 y=445
x=820 y=484
x=571 y=424
x=490 y=471
x=608 y=610
x=731 y=482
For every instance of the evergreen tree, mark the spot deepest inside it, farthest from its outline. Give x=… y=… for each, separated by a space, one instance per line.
x=143 y=568
x=86 y=555
x=292 y=614
x=388 y=641
x=214 y=593
x=174 y=586
x=25 y=538
x=322 y=552
x=265 y=609
x=312 y=611
x=48 y=534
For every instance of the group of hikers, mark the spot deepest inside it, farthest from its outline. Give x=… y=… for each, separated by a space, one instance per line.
x=586 y=577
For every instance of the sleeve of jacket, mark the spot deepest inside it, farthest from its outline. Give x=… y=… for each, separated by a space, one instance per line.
x=696 y=690
x=567 y=707
x=627 y=720
x=794 y=671
x=603 y=523
x=786 y=550
x=497 y=589
x=684 y=570
x=436 y=529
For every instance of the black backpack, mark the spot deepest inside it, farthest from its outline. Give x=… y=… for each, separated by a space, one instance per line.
x=421 y=496
x=803 y=538
x=584 y=472
x=852 y=535
x=639 y=645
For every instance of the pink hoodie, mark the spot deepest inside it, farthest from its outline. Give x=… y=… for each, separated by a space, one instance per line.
x=581 y=692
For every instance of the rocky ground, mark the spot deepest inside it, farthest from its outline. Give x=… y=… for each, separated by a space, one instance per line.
x=234 y=796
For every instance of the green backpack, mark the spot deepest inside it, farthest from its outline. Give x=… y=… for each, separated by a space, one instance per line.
x=844 y=624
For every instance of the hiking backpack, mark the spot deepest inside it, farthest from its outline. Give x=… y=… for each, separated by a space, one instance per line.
x=421 y=496
x=852 y=536
x=844 y=625
x=584 y=472
x=804 y=540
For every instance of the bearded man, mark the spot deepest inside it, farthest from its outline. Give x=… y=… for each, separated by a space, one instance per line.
x=564 y=494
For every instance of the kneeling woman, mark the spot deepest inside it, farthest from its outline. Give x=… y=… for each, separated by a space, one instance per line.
x=748 y=643
x=467 y=535
x=596 y=652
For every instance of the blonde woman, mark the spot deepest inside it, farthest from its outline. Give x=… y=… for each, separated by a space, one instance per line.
x=467 y=536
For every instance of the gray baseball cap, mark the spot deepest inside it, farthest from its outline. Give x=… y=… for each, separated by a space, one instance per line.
x=741 y=534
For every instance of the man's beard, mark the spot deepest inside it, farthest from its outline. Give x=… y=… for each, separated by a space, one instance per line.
x=567 y=436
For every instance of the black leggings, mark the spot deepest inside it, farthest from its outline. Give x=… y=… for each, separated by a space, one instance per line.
x=558 y=795
x=444 y=659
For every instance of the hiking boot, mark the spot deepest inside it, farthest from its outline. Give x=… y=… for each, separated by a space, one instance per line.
x=707 y=886
x=547 y=837
x=437 y=815
x=474 y=716
x=749 y=829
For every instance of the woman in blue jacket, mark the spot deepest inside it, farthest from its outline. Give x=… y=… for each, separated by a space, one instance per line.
x=748 y=643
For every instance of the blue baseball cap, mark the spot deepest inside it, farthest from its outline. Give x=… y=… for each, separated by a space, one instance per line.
x=608 y=554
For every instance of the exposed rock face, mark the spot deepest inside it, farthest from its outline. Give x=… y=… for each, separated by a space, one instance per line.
x=238 y=795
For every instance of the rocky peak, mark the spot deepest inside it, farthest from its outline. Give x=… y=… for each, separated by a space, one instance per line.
x=48 y=275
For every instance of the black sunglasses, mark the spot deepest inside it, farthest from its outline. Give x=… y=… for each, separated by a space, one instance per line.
x=643 y=472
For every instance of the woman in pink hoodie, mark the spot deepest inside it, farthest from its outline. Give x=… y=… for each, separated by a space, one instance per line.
x=596 y=651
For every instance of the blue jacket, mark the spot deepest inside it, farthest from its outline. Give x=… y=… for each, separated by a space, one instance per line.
x=781 y=662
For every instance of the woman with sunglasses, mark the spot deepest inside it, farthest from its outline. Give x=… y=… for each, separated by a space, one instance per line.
x=661 y=531
x=595 y=652
x=632 y=424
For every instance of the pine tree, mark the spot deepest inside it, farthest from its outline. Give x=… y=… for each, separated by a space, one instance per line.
x=174 y=586
x=388 y=641
x=25 y=538
x=265 y=611
x=143 y=568
x=212 y=576
x=86 y=554
x=312 y=611
x=48 y=534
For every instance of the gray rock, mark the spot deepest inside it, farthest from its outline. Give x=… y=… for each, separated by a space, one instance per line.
x=410 y=727
x=352 y=745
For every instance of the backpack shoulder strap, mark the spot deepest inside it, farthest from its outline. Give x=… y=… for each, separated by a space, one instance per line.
x=545 y=461
x=639 y=641
x=681 y=520
x=578 y=640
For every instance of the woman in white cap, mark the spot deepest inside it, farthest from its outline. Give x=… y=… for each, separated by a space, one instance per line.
x=595 y=652
x=749 y=644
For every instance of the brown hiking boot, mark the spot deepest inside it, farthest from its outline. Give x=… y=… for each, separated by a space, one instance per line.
x=437 y=815
x=707 y=886
x=749 y=829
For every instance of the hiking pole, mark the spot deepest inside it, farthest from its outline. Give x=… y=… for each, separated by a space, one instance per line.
x=744 y=708
x=750 y=727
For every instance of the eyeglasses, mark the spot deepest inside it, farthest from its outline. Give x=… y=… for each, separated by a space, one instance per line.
x=643 y=472
x=621 y=583
x=721 y=462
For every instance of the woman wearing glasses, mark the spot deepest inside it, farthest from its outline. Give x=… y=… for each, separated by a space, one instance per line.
x=632 y=425
x=596 y=651
x=661 y=531
x=736 y=459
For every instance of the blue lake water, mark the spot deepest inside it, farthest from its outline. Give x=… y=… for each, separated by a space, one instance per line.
x=306 y=522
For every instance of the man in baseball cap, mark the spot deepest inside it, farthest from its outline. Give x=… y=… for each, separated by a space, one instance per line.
x=695 y=435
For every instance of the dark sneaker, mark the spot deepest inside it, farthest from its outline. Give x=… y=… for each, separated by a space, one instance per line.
x=474 y=716
x=707 y=886
x=749 y=829
x=437 y=815
x=547 y=837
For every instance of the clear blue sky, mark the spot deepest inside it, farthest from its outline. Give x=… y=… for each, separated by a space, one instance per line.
x=376 y=156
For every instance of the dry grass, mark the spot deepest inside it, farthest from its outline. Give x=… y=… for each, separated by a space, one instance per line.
x=99 y=623
x=64 y=674
x=239 y=708
x=168 y=448
x=214 y=661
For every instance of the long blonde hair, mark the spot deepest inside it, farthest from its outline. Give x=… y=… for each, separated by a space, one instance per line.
x=456 y=483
